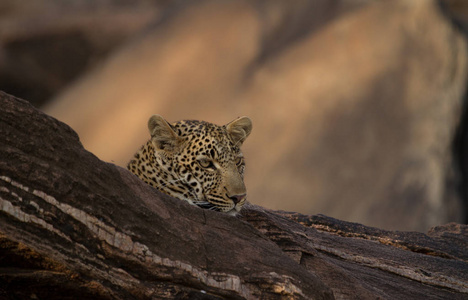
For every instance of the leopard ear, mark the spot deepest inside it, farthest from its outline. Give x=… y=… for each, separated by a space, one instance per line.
x=239 y=129
x=163 y=136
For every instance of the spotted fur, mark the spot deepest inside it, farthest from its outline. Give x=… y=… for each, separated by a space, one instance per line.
x=196 y=161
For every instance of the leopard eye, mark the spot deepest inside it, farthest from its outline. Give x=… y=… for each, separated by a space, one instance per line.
x=239 y=161
x=206 y=164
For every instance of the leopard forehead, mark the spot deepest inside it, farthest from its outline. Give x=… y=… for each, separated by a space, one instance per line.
x=206 y=139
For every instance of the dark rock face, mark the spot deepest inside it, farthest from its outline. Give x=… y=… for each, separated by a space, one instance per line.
x=109 y=232
x=74 y=226
x=359 y=262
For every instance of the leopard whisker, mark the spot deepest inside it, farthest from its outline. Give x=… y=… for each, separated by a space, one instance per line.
x=202 y=203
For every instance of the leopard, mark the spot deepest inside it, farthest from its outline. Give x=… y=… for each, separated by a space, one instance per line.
x=196 y=161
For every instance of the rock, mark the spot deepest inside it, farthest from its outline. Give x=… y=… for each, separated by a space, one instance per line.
x=355 y=108
x=71 y=224
x=109 y=235
x=359 y=262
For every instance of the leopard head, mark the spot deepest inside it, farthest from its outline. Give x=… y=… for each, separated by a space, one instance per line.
x=199 y=162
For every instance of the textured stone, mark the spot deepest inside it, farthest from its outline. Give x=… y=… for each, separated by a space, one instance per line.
x=72 y=226
x=95 y=222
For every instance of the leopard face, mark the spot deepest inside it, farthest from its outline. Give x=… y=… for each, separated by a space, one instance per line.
x=196 y=161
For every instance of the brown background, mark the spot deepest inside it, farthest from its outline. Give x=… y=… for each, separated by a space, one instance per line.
x=358 y=106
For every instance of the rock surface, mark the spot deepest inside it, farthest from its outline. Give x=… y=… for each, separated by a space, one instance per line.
x=355 y=104
x=74 y=226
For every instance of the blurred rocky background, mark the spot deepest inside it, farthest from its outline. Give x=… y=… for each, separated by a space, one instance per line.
x=359 y=106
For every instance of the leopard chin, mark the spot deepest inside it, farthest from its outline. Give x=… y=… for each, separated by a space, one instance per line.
x=233 y=212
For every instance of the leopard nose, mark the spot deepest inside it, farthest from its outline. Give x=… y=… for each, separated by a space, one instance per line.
x=238 y=198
